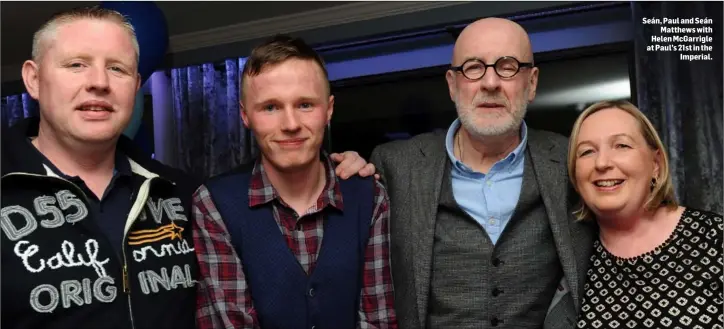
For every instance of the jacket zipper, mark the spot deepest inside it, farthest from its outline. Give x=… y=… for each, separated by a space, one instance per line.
x=135 y=212
x=126 y=281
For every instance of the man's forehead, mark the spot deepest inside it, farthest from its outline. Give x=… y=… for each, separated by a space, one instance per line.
x=490 y=39
x=490 y=48
x=262 y=90
x=77 y=36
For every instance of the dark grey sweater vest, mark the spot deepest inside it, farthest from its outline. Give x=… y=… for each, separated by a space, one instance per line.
x=475 y=284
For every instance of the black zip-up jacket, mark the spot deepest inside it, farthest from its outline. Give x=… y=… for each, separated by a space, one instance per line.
x=58 y=268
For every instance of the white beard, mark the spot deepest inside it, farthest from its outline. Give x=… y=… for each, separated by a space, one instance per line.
x=480 y=125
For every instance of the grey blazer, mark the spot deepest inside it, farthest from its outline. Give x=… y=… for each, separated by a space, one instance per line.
x=412 y=172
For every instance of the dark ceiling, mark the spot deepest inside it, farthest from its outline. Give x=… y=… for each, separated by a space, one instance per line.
x=19 y=20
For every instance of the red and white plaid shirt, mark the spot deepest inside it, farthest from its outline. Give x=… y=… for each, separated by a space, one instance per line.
x=224 y=300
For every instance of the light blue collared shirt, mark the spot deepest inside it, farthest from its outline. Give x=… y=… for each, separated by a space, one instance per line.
x=489 y=198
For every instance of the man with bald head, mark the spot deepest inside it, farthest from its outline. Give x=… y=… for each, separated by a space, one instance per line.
x=481 y=225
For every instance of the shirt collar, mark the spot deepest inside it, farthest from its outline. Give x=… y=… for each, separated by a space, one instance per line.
x=261 y=191
x=122 y=165
x=507 y=163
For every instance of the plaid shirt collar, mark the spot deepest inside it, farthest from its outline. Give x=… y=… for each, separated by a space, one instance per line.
x=262 y=192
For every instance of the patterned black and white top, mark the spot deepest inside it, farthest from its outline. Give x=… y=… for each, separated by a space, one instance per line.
x=677 y=285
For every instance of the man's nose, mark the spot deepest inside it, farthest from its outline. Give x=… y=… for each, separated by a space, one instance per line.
x=490 y=81
x=98 y=79
x=290 y=122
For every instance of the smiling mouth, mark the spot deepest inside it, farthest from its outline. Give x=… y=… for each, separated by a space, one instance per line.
x=94 y=109
x=291 y=141
x=608 y=182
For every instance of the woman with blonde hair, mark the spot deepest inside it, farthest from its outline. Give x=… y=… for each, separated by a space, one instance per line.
x=656 y=264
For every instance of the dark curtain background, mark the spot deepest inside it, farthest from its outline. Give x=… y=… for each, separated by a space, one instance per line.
x=210 y=135
x=18 y=107
x=684 y=100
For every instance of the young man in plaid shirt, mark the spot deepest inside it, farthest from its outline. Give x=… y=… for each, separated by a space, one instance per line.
x=283 y=243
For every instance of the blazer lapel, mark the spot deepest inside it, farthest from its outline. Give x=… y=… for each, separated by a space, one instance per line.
x=426 y=183
x=551 y=175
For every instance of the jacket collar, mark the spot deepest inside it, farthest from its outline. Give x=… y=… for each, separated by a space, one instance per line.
x=18 y=154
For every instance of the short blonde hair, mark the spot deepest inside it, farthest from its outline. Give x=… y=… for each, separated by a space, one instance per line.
x=47 y=31
x=663 y=191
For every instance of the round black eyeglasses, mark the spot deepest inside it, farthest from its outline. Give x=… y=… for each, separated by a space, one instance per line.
x=505 y=67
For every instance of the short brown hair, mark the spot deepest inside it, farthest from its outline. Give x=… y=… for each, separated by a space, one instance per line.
x=45 y=32
x=279 y=49
x=663 y=192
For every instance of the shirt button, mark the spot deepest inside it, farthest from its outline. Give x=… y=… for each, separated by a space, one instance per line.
x=492 y=221
x=311 y=292
x=490 y=183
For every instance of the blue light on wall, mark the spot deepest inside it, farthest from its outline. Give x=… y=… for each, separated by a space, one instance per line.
x=556 y=40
